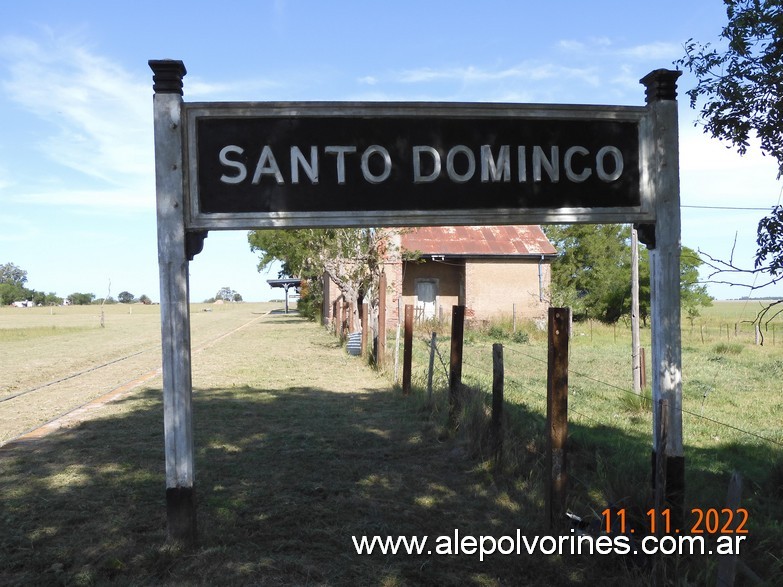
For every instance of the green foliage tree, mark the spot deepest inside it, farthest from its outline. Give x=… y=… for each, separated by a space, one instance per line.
x=589 y=273
x=592 y=273
x=12 y=284
x=227 y=295
x=46 y=299
x=10 y=293
x=81 y=299
x=144 y=299
x=125 y=297
x=352 y=257
x=13 y=274
x=739 y=92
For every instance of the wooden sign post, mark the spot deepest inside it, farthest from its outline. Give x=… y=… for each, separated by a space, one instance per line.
x=255 y=165
x=174 y=301
x=663 y=241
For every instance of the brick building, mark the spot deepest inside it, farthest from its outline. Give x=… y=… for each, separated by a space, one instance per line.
x=492 y=270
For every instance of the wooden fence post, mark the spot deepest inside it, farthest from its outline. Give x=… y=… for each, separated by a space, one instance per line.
x=643 y=367
x=338 y=318
x=400 y=314
x=455 y=360
x=365 y=327
x=407 y=353
x=433 y=342
x=497 y=402
x=557 y=414
x=380 y=359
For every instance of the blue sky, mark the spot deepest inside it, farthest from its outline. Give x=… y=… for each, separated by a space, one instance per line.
x=77 y=186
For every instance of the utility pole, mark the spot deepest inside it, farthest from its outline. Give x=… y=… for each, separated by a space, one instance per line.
x=635 y=344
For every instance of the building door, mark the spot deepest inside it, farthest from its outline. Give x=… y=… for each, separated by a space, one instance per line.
x=426 y=295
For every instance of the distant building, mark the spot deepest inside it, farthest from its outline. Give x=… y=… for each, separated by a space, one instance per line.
x=493 y=271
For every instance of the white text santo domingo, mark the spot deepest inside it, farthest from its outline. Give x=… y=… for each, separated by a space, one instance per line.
x=426 y=164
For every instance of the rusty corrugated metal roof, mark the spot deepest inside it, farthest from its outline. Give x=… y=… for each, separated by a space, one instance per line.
x=478 y=241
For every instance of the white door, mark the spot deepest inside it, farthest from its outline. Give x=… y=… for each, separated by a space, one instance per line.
x=426 y=294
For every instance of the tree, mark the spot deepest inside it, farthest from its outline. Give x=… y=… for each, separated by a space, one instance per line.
x=13 y=275
x=352 y=257
x=12 y=281
x=46 y=299
x=81 y=299
x=227 y=295
x=592 y=273
x=145 y=300
x=125 y=297
x=741 y=86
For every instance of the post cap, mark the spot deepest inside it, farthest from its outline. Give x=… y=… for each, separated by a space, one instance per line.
x=660 y=84
x=167 y=76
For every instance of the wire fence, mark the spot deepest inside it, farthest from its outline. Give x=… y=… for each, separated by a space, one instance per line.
x=480 y=374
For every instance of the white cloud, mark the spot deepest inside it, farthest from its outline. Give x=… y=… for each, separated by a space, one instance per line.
x=126 y=199
x=605 y=47
x=712 y=174
x=659 y=51
x=99 y=116
x=477 y=76
x=196 y=89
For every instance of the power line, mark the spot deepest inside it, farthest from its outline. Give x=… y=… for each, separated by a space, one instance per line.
x=767 y=209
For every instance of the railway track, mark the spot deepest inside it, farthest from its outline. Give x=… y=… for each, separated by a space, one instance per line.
x=34 y=412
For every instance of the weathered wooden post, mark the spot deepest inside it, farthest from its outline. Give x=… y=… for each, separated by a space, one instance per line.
x=174 y=300
x=407 y=353
x=433 y=342
x=636 y=365
x=400 y=314
x=365 y=328
x=664 y=245
x=455 y=360
x=557 y=414
x=498 y=376
x=326 y=296
x=338 y=318
x=380 y=360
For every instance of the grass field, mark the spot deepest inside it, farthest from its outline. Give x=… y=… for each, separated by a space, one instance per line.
x=300 y=446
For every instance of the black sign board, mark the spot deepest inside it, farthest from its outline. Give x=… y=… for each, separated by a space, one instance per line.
x=312 y=164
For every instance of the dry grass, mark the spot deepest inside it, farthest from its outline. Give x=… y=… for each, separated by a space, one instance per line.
x=731 y=397
x=300 y=447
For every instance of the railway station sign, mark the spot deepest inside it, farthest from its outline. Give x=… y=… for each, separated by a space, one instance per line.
x=256 y=165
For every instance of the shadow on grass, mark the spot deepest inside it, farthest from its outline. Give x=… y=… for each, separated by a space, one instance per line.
x=285 y=478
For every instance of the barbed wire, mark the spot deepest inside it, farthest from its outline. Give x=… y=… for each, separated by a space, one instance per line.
x=614 y=387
